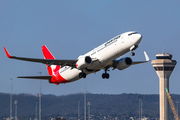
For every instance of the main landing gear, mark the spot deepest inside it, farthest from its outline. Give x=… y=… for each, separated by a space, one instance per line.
x=82 y=75
x=105 y=75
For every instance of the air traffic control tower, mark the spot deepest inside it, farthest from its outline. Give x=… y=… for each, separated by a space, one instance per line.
x=163 y=66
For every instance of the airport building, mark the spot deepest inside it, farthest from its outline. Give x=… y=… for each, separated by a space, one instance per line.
x=163 y=66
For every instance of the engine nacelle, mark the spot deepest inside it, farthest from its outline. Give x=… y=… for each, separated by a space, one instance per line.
x=83 y=62
x=124 y=63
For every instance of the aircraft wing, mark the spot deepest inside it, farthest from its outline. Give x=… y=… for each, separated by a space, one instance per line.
x=115 y=62
x=36 y=77
x=138 y=62
x=44 y=61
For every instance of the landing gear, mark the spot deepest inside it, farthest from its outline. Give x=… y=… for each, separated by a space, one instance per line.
x=105 y=75
x=82 y=75
x=132 y=49
x=132 y=53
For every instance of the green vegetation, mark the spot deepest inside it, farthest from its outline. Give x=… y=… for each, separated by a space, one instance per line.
x=123 y=105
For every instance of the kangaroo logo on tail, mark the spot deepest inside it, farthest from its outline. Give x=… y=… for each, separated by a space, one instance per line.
x=52 y=69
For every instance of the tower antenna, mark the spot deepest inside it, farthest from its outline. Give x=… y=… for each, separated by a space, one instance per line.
x=163 y=50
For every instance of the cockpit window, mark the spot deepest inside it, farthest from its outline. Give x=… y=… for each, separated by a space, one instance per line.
x=132 y=33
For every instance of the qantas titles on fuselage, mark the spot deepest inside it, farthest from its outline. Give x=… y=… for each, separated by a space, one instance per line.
x=103 y=57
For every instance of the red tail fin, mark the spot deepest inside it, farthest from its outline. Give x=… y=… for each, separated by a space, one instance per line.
x=47 y=55
x=53 y=69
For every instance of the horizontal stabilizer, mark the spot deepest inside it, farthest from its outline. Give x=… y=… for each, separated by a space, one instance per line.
x=36 y=77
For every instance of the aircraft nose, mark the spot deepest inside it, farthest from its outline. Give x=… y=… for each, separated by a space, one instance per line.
x=138 y=38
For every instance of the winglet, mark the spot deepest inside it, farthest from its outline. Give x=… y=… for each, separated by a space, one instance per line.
x=146 y=56
x=7 y=53
x=147 y=59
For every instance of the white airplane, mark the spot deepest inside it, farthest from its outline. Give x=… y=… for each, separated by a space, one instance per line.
x=103 y=57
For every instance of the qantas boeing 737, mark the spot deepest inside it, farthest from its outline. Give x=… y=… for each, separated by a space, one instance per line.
x=103 y=57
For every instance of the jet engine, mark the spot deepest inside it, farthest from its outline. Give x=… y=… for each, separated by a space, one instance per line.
x=83 y=62
x=124 y=63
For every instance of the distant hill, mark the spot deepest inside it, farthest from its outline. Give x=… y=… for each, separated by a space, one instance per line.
x=117 y=105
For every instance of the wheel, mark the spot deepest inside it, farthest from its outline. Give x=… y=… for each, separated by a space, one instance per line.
x=107 y=76
x=84 y=75
x=103 y=75
x=80 y=75
x=132 y=53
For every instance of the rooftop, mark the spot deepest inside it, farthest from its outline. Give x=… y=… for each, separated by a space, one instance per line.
x=164 y=56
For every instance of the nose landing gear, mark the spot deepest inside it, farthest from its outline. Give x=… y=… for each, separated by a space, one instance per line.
x=132 y=53
x=133 y=48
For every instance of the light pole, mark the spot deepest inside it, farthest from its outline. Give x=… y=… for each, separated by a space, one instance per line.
x=40 y=98
x=36 y=110
x=85 y=100
x=139 y=107
x=78 y=108
x=11 y=102
x=89 y=105
x=15 y=102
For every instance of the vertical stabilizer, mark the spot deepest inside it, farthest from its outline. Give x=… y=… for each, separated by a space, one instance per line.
x=52 y=69
x=47 y=54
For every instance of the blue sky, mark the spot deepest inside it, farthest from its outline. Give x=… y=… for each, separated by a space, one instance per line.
x=71 y=28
